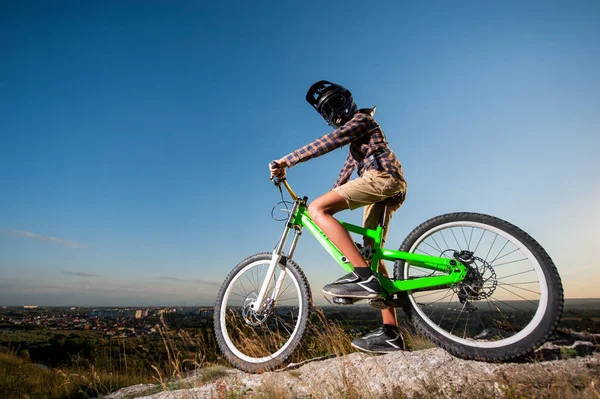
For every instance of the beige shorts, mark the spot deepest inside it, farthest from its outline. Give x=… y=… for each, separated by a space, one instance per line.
x=369 y=189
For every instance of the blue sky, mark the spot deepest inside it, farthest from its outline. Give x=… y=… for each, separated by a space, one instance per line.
x=135 y=137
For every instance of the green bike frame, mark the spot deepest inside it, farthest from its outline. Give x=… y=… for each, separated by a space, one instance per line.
x=453 y=270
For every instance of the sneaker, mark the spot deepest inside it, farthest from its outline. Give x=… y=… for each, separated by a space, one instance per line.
x=384 y=339
x=353 y=286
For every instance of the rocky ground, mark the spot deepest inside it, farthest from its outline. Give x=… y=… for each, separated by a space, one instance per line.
x=423 y=374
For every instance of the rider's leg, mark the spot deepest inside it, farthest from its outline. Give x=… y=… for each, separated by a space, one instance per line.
x=387 y=338
x=370 y=220
x=369 y=188
x=360 y=282
x=321 y=212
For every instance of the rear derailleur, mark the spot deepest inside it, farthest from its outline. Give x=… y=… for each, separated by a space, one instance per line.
x=470 y=287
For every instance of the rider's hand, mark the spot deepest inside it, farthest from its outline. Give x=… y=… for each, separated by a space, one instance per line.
x=277 y=169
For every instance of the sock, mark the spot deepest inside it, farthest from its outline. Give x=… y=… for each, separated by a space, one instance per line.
x=363 y=272
x=390 y=328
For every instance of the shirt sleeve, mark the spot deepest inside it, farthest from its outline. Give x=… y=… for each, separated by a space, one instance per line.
x=355 y=128
x=346 y=171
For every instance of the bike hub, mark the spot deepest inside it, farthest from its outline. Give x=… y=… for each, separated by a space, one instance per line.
x=480 y=281
x=251 y=315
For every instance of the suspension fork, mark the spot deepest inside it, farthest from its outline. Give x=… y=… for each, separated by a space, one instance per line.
x=276 y=258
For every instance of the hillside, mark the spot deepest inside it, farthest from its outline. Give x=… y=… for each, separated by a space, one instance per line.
x=428 y=373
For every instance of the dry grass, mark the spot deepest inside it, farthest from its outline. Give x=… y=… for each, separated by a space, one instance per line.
x=572 y=384
x=323 y=337
x=22 y=379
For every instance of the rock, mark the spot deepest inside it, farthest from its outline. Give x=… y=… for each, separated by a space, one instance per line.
x=548 y=351
x=432 y=372
x=583 y=348
x=132 y=391
x=576 y=335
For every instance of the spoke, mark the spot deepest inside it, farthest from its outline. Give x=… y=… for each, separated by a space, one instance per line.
x=458 y=318
x=523 y=298
x=524 y=289
x=499 y=311
x=444 y=297
x=253 y=275
x=249 y=280
x=466 y=324
x=525 y=282
x=464 y=236
x=481 y=320
x=479 y=242
x=243 y=287
x=511 y=252
x=438 y=245
x=470 y=236
x=240 y=295
x=442 y=234
x=444 y=316
x=504 y=303
x=505 y=244
x=516 y=274
x=426 y=253
x=258 y=274
x=457 y=243
x=435 y=307
x=285 y=289
x=491 y=246
x=512 y=261
x=429 y=293
x=282 y=322
x=287 y=299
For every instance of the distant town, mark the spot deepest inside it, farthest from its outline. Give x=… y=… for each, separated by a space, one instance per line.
x=113 y=322
x=129 y=322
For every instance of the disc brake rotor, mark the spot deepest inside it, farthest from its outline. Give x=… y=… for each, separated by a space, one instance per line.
x=479 y=283
x=251 y=316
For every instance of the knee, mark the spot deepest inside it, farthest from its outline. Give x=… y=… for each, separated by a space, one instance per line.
x=316 y=210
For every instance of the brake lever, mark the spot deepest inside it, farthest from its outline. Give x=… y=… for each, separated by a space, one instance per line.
x=277 y=181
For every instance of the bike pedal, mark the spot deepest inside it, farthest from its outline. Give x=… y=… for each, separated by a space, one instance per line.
x=380 y=303
x=343 y=301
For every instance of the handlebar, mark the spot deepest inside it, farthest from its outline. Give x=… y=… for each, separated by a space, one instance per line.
x=277 y=181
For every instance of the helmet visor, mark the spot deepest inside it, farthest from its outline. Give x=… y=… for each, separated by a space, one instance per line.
x=333 y=105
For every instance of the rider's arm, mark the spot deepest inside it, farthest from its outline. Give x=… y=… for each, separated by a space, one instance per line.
x=346 y=171
x=358 y=126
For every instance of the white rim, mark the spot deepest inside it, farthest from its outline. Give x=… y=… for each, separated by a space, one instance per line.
x=230 y=344
x=543 y=300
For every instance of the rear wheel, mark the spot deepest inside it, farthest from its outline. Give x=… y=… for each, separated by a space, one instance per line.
x=259 y=341
x=509 y=304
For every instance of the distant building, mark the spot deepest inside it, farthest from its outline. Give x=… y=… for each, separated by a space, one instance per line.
x=106 y=313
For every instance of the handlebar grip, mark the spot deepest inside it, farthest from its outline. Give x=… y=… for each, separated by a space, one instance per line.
x=272 y=164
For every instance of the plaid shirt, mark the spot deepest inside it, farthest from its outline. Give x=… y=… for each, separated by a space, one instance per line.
x=365 y=137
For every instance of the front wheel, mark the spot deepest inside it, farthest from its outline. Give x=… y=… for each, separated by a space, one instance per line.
x=510 y=302
x=259 y=341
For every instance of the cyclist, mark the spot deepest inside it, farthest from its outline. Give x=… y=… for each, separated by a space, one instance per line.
x=380 y=178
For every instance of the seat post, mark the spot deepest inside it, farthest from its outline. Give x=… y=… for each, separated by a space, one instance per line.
x=383 y=215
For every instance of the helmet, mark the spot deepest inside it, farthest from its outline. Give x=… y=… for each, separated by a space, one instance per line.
x=333 y=102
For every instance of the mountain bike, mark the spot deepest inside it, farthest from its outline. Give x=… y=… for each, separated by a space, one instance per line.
x=475 y=285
